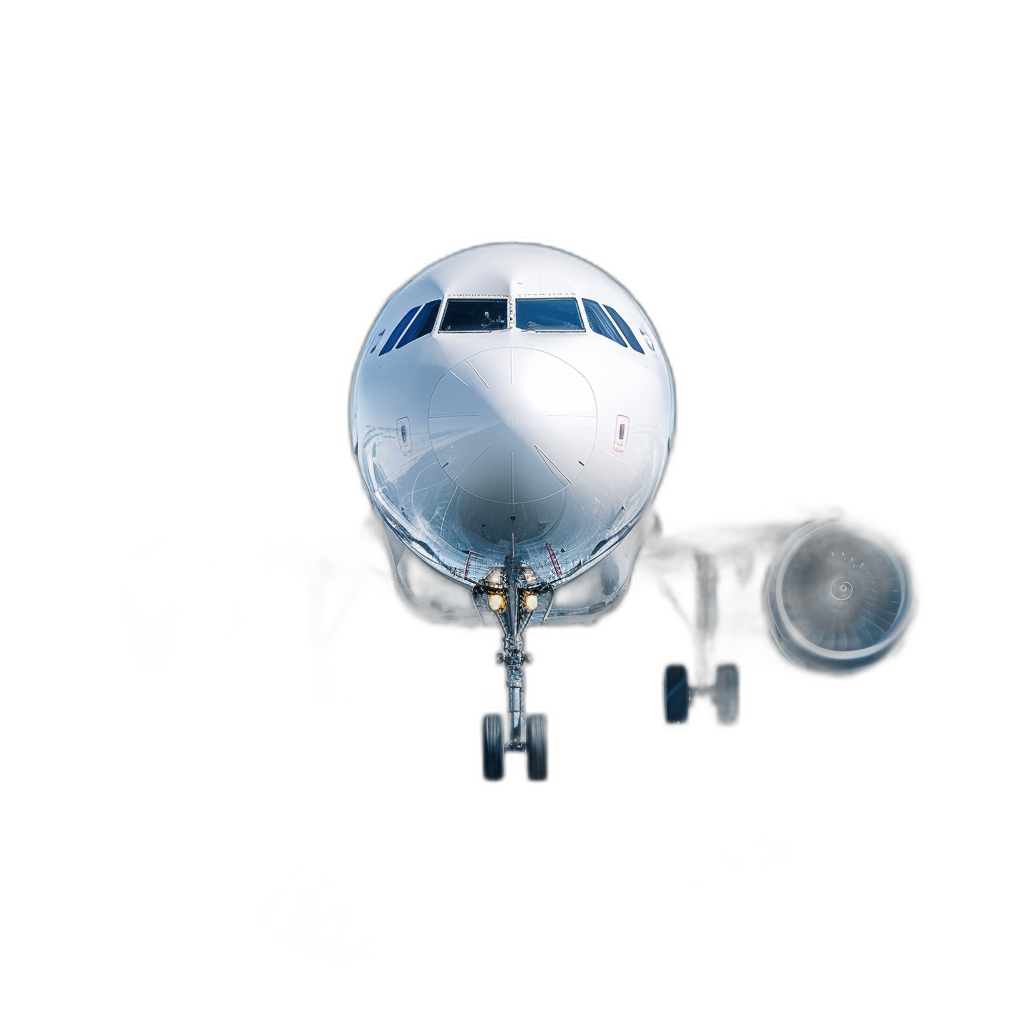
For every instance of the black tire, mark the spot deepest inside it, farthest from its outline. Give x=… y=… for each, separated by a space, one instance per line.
x=727 y=693
x=677 y=694
x=537 y=747
x=494 y=748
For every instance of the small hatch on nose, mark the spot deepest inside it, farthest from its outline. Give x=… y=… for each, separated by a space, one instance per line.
x=621 y=433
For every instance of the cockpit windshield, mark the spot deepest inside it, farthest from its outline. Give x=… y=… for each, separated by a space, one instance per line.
x=473 y=315
x=548 y=315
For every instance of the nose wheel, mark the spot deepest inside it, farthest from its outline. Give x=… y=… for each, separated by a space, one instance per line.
x=494 y=748
x=537 y=747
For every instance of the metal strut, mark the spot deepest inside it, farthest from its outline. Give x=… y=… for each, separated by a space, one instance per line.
x=707 y=617
x=514 y=593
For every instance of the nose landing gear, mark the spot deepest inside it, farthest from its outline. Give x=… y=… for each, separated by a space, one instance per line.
x=514 y=594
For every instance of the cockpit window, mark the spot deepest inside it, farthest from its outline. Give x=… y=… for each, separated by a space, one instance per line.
x=548 y=315
x=423 y=324
x=599 y=321
x=415 y=324
x=397 y=332
x=626 y=332
x=473 y=315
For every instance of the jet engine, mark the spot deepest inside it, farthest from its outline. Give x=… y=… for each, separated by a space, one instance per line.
x=836 y=599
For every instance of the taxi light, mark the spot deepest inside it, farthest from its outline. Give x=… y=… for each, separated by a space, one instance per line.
x=531 y=602
x=496 y=602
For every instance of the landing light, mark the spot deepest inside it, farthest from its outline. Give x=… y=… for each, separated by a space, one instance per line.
x=496 y=602
x=531 y=602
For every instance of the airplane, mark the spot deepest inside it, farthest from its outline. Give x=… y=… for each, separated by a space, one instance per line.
x=511 y=413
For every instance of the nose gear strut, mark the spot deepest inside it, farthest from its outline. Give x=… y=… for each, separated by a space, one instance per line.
x=514 y=594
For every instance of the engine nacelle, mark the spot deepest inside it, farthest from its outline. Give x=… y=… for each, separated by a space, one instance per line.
x=836 y=599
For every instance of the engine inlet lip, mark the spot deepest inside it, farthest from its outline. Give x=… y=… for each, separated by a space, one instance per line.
x=796 y=646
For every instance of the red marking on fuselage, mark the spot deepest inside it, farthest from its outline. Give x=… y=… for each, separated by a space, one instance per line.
x=554 y=559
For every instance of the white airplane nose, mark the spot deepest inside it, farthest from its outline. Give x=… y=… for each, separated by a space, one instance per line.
x=513 y=424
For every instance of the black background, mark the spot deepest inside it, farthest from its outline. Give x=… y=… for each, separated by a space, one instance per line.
x=331 y=816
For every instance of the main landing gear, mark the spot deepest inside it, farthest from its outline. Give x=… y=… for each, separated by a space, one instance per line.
x=725 y=690
x=515 y=595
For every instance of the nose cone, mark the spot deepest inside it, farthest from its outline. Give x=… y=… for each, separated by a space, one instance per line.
x=513 y=424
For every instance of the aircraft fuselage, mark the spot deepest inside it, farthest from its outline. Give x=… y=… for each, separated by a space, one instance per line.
x=512 y=395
